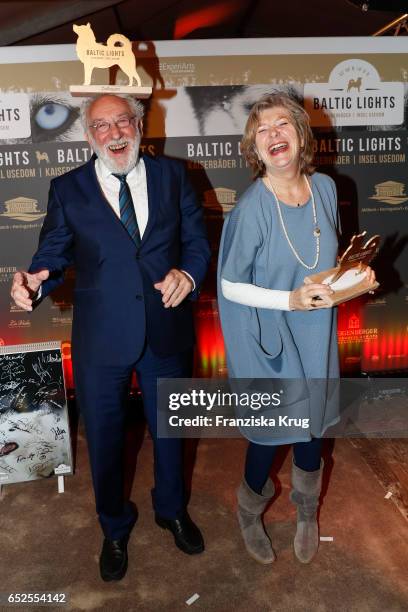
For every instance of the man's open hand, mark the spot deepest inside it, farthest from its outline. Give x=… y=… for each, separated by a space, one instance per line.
x=25 y=287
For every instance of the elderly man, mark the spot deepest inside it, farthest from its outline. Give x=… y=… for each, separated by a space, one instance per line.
x=131 y=226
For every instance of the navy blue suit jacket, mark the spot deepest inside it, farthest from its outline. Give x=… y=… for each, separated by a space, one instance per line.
x=115 y=304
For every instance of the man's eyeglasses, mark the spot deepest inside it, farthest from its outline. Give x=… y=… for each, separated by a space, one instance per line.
x=104 y=126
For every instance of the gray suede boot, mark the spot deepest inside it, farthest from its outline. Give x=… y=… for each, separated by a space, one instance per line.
x=250 y=509
x=305 y=495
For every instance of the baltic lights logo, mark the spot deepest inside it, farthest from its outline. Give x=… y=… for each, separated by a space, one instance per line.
x=390 y=192
x=14 y=116
x=354 y=95
x=22 y=209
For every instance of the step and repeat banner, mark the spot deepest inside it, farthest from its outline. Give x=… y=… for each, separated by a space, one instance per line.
x=355 y=91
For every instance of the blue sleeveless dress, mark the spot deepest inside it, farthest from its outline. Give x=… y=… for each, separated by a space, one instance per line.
x=266 y=343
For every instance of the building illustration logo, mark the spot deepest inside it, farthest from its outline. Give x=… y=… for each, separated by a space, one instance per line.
x=22 y=209
x=220 y=199
x=390 y=192
x=354 y=95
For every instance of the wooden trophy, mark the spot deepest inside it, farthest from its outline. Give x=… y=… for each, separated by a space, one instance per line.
x=348 y=279
x=117 y=52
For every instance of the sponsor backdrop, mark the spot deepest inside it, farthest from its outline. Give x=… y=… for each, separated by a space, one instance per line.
x=356 y=94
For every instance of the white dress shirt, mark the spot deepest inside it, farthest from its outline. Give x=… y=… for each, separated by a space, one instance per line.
x=136 y=179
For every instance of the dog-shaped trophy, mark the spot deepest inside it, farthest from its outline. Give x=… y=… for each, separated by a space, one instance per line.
x=116 y=52
x=348 y=280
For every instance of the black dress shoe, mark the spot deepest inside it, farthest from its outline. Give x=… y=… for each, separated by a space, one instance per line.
x=113 y=561
x=187 y=535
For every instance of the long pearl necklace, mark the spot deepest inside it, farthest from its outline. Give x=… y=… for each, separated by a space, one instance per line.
x=316 y=230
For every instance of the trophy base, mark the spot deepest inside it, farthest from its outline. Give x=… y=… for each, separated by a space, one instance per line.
x=350 y=285
x=89 y=91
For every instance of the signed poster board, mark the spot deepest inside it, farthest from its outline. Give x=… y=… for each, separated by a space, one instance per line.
x=34 y=429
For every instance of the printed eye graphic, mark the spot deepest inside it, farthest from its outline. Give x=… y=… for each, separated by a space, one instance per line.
x=51 y=118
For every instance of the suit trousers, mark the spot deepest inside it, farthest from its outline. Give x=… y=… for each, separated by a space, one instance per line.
x=101 y=393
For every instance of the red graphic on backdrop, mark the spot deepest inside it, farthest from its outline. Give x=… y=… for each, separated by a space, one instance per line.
x=354 y=322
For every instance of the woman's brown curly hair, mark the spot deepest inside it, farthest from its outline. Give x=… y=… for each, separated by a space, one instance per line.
x=300 y=120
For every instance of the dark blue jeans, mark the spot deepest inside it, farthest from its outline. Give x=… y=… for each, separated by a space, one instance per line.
x=259 y=460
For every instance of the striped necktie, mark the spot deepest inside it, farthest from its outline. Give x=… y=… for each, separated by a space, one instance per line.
x=127 y=209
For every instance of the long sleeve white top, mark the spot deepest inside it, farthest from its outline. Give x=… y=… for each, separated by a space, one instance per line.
x=257 y=297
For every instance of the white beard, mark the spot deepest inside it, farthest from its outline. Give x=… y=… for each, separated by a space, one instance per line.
x=123 y=166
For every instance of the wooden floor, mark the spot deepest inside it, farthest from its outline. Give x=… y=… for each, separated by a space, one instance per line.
x=388 y=460
x=50 y=542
